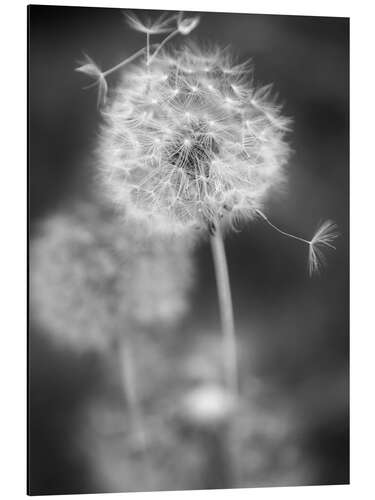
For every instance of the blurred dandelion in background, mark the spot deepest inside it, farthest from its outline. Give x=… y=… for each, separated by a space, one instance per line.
x=91 y=275
x=95 y=281
x=197 y=428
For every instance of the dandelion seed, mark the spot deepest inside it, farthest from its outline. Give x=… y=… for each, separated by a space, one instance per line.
x=184 y=27
x=159 y=26
x=89 y=67
x=187 y=25
x=325 y=235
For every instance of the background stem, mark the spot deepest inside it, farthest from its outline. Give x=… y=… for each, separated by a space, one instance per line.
x=128 y=377
x=226 y=309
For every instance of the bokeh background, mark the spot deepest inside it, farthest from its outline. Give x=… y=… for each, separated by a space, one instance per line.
x=295 y=330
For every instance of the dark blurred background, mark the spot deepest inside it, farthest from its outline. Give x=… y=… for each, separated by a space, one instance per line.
x=297 y=327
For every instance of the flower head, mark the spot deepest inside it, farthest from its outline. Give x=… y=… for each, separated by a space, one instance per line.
x=189 y=140
x=92 y=277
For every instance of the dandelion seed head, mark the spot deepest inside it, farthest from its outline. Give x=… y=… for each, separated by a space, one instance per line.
x=93 y=277
x=224 y=151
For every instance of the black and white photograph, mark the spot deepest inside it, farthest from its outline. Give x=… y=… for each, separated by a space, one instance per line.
x=188 y=267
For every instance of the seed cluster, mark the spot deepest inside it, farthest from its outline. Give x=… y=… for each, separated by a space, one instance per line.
x=93 y=278
x=189 y=140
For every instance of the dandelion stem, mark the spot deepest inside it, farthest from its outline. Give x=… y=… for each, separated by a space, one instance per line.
x=166 y=39
x=226 y=309
x=128 y=376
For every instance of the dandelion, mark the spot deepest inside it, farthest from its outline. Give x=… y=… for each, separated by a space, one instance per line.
x=187 y=144
x=181 y=148
x=91 y=275
x=90 y=291
x=190 y=141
